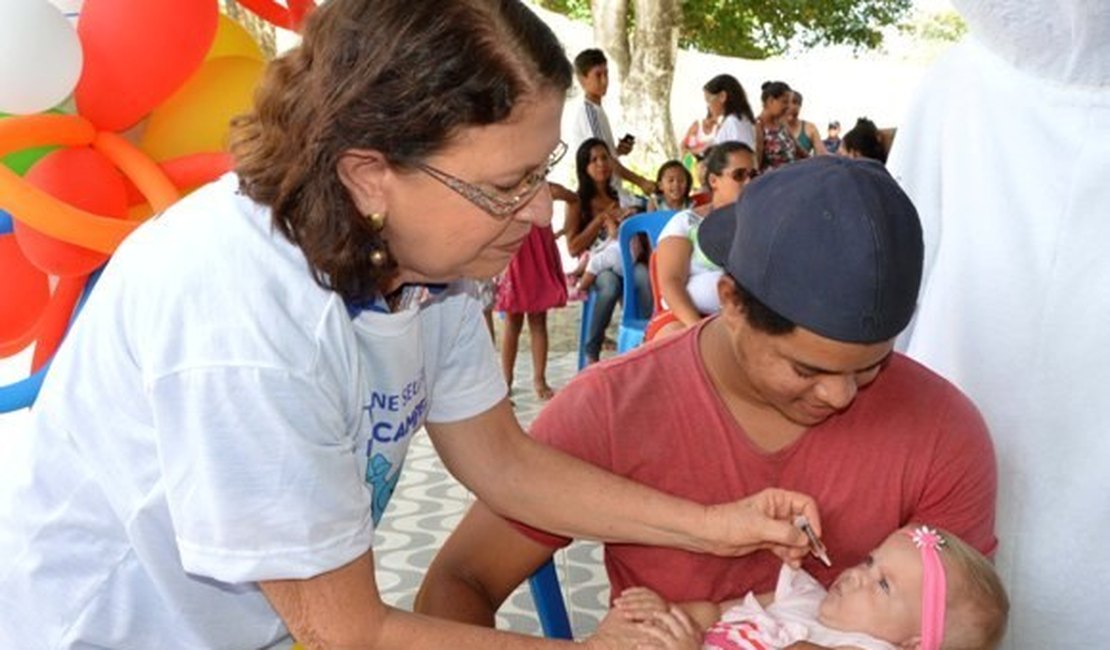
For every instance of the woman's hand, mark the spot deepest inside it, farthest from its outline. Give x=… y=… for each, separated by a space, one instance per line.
x=764 y=520
x=673 y=630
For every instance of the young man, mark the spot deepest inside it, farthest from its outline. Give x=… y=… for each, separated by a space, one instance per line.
x=794 y=384
x=592 y=69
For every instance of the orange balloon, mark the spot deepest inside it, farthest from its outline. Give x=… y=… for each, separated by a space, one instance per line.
x=23 y=296
x=85 y=179
x=140 y=169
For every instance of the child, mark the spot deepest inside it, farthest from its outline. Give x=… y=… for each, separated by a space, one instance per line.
x=921 y=590
x=532 y=284
x=674 y=182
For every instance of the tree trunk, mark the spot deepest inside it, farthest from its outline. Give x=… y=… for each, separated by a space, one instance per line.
x=611 y=33
x=646 y=90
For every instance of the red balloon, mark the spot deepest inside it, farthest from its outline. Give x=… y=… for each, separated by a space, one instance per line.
x=85 y=179
x=24 y=293
x=137 y=53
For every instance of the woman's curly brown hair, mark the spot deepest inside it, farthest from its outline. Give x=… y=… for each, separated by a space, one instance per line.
x=398 y=77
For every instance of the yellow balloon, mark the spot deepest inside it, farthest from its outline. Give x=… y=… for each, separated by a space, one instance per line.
x=196 y=118
x=232 y=39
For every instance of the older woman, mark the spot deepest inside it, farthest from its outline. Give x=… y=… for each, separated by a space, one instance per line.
x=226 y=423
x=687 y=279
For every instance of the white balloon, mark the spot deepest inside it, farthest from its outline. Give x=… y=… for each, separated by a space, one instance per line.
x=40 y=56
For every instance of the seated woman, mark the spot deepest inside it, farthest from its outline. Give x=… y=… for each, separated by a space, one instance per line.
x=674 y=182
x=585 y=230
x=774 y=146
x=687 y=279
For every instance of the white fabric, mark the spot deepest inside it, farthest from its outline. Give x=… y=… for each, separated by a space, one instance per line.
x=1063 y=40
x=735 y=129
x=792 y=617
x=590 y=121
x=217 y=418
x=1010 y=174
x=701 y=281
x=606 y=257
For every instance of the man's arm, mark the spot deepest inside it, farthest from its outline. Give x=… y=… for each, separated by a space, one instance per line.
x=646 y=186
x=480 y=564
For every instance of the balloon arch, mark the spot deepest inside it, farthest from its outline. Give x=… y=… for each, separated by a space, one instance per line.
x=103 y=124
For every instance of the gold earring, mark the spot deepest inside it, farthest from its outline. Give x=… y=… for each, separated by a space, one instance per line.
x=378 y=256
x=377 y=220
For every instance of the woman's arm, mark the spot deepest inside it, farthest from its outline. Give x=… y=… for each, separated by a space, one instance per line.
x=525 y=480
x=757 y=150
x=579 y=237
x=672 y=262
x=815 y=137
x=343 y=609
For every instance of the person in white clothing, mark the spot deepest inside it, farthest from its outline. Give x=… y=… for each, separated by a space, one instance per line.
x=226 y=422
x=686 y=278
x=592 y=70
x=921 y=589
x=726 y=97
x=1014 y=302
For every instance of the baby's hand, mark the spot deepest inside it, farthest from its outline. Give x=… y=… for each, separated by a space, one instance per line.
x=673 y=630
x=639 y=604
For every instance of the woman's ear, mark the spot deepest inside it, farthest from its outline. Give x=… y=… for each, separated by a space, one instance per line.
x=363 y=172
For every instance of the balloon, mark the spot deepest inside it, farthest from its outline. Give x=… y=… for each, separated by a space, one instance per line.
x=137 y=53
x=141 y=170
x=270 y=11
x=55 y=320
x=51 y=216
x=5 y=223
x=82 y=178
x=20 y=161
x=196 y=118
x=233 y=40
x=22 y=393
x=40 y=56
x=24 y=293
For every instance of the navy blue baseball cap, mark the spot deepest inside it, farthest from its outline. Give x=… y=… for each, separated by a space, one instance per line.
x=832 y=244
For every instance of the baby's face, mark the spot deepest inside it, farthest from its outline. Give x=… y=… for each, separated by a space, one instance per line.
x=881 y=596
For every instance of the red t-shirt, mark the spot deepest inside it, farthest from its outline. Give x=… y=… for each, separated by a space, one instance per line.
x=910 y=448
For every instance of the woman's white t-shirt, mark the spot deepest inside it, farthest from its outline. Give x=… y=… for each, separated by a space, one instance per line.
x=735 y=129
x=701 y=281
x=216 y=418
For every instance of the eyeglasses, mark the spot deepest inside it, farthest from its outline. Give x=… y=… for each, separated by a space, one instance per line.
x=503 y=204
x=742 y=174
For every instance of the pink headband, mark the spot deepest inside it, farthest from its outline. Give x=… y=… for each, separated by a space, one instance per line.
x=933 y=588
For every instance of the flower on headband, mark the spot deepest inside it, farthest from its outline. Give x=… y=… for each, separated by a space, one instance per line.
x=924 y=536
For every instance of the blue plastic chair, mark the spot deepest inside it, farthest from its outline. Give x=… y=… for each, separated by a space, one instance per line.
x=584 y=326
x=631 y=332
x=550 y=608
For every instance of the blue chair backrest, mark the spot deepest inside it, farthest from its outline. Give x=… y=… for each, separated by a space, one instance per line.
x=650 y=223
x=584 y=325
x=547 y=596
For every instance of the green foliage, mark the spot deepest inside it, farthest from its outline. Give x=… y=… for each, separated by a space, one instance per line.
x=943 y=27
x=758 y=29
x=576 y=9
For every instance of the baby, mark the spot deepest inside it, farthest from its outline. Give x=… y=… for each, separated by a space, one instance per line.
x=920 y=590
